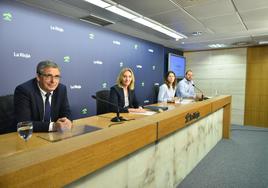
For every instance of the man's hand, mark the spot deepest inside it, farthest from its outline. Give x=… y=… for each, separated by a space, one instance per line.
x=63 y=124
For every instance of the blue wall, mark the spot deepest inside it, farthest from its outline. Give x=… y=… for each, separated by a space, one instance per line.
x=90 y=57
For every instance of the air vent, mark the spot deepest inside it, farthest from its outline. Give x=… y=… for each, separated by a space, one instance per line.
x=96 y=20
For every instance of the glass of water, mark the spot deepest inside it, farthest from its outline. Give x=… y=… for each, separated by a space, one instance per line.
x=25 y=130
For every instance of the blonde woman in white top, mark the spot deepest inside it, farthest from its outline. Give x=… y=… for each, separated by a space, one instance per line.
x=168 y=89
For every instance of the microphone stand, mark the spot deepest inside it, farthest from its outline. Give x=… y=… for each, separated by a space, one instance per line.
x=117 y=118
x=202 y=95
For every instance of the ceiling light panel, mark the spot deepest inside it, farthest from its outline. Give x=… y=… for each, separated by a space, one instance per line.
x=121 y=12
x=134 y=16
x=98 y=3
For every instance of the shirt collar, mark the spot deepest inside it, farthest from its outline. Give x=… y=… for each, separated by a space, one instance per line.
x=188 y=82
x=43 y=93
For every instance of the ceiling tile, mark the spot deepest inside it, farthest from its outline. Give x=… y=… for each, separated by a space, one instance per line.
x=257 y=19
x=171 y=17
x=261 y=37
x=218 y=37
x=179 y=21
x=188 y=3
x=148 y=7
x=187 y=27
x=225 y=24
x=211 y=9
x=247 y=5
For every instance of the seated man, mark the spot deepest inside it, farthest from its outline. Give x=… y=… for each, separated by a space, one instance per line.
x=43 y=100
x=185 y=88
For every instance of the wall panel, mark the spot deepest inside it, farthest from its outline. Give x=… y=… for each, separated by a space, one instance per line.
x=256 y=103
x=221 y=72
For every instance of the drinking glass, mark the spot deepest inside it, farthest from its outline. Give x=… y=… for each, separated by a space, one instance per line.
x=216 y=93
x=25 y=130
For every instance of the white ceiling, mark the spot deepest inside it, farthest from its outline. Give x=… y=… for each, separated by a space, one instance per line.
x=234 y=23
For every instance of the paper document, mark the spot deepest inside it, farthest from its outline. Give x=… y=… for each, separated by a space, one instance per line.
x=147 y=113
x=184 y=101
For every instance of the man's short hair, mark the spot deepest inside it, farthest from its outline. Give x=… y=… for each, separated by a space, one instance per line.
x=45 y=64
x=189 y=70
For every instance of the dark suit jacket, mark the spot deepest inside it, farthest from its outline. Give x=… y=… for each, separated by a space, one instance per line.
x=29 y=105
x=117 y=97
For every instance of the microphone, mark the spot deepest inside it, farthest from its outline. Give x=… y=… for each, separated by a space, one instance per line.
x=117 y=118
x=202 y=95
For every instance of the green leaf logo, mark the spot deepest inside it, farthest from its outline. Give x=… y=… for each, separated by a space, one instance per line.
x=66 y=59
x=84 y=111
x=104 y=85
x=7 y=16
x=91 y=36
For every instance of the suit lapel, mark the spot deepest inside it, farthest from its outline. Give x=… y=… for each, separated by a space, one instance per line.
x=53 y=104
x=123 y=96
x=40 y=103
x=130 y=98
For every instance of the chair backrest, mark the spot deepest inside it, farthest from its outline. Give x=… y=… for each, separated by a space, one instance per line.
x=7 y=118
x=156 y=91
x=102 y=107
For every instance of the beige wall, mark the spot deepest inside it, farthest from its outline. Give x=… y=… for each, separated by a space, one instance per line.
x=224 y=72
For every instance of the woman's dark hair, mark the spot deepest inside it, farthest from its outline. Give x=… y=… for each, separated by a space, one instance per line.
x=167 y=82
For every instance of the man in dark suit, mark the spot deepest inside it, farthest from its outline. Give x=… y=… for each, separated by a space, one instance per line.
x=43 y=100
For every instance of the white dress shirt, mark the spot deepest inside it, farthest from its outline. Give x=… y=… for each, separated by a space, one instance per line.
x=185 y=89
x=43 y=94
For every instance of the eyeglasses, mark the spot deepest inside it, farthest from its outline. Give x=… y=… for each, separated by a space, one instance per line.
x=50 y=76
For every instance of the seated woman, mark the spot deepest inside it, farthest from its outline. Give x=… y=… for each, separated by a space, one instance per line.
x=168 y=89
x=123 y=93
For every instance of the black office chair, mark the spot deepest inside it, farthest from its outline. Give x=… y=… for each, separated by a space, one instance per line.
x=7 y=119
x=102 y=107
x=156 y=91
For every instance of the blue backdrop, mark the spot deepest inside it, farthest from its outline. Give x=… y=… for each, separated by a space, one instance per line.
x=90 y=57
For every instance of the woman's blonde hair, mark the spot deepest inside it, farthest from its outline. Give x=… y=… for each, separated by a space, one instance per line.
x=119 y=80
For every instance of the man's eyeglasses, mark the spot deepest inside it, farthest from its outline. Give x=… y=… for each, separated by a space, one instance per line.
x=50 y=76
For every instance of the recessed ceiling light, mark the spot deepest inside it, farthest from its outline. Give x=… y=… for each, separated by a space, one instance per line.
x=216 y=45
x=242 y=43
x=263 y=42
x=197 y=33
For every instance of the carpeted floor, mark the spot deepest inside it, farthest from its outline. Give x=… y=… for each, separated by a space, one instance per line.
x=240 y=162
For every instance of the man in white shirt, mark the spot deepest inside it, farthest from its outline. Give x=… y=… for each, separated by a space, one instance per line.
x=185 y=88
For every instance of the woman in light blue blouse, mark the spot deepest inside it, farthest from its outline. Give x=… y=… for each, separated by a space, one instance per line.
x=168 y=89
